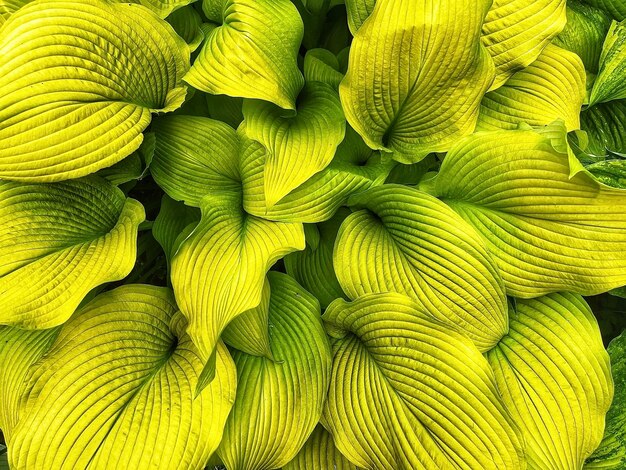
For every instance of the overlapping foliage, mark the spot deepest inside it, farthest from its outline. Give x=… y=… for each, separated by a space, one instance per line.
x=312 y=234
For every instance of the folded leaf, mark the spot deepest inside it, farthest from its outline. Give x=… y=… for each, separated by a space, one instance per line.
x=20 y=350
x=549 y=225
x=408 y=89
x=57 y=242
x=615 y=8
x=554 y=376
x=174 y=220
x=605 y=127
x=116 y=391
x=194 y=156
x=320 y=196
x=250 y=331
x=516 y=31
x=551 y=88
x=420 y=394
x=609 y=84
x=611 y=454
x=407 y=241
x=186 y=22
x=313 y=267
x=321 y=65
x=266 y=37
x=280 y=402
x=76 y=102
x=584 y=33
x=219 y=270
x=319 y=453
x=298 y=147
x=610 y=172
x=358 y=12
x=7 y=8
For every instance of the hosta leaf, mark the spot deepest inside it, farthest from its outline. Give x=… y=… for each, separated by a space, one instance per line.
x=549 y=226
x=186 y=22
x=8 y=7
x=611 y=454
x=225 y=108
x=319 y=453
x=174 y=218
x=116 y=390
x=69 y=105
x=129 y=169
x=280 y=402
x=420 y=394
x=194 y=156
x=516 y=31
x=321 y=65
x=20 y=350
x=250 y=331
x=609 y=83
x=358 y=12
x=313 y=267
x=57 y=242
x=298 y=147
x=407 y=241
x=319 y=197
x=266 y=38
x=408 y=89
x=551 y=88
x=219 y=270
x=610 y=172
x=554 y=376
x=584 y=33
x=605 y=127
x=615 y=8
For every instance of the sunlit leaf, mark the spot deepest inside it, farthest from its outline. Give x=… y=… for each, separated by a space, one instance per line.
x=279 y=403
x=319 y=453
x=68 y=104
x=116 y=390
x=554 y=376
x=57 y=242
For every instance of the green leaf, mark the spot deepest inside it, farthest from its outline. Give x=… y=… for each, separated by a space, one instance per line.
x=298 y=147
x=319 y=453
x=420 y=394
x=129 y=169
x=266 y=38
x=175 y=220
x=610 y=172
x=605 y=128
x=549 y=225
x=8 y=7
x=609 y=83
x=225 y=108
x=407 y=241
x=615 y=8
x=116 y=391
x=584 y=33
x=250 y=331
x=551 y=88
x=611 y=454
x=219 y=270
x=57 y=242
x=407 y=89
x=279 y=403
x=313 y=267
x=194 y=156
x=516 y=31
x=321 y=65
x=20 y=350
x=358 y=12
x=319 y=197
x=186 y=22
x=554 y=376
x=68 y=104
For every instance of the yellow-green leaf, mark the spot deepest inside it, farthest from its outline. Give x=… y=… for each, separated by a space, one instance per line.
x=358 y=12
x=76 y=102
x=116 y=390
x=173 y=221
x=321 y=65
x=251 y=52
x=609 y=84
x=298 y=147
x=551 y=88
x=419 y=394
x=319 y=453
x=279 y=403
x=219 y=270
x=516 y=31
x=57 y=242
x=403 y=240
x=615 y=8
x=554 y=376
x=186 y=22
x=549 y=225
x=409 y=89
